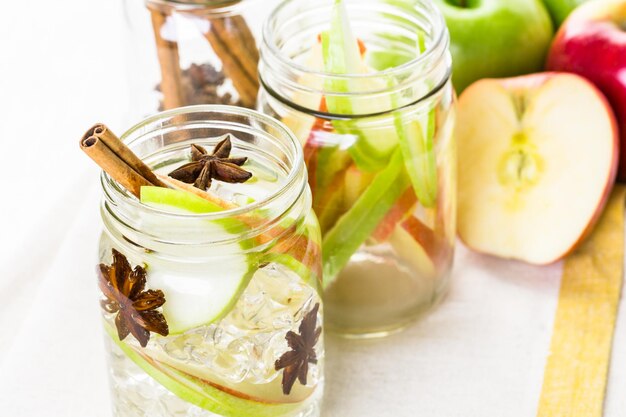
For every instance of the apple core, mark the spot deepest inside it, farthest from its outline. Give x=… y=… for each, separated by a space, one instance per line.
x=521 y=166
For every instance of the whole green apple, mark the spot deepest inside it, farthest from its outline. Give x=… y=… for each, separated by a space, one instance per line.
x=496 y=38
x=560 y=9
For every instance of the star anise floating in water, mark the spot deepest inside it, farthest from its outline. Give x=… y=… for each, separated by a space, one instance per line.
x=219 y=165
x=123 y=288
x=296 y=361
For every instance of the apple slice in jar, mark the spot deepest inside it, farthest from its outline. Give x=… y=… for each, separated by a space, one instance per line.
x=303 y=124
x=373 y=145
x=202 y=393
x=378 y=136
x=299 y=251
x=177 y=201
x=417 y=141
x=331 y=207
x=356 y=182
x=195 y=294
x=408 y=248
x=538 y=158
x=199 y=296
x=400 y=211
x=354 y=228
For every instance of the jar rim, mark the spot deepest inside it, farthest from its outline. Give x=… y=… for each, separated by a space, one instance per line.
x=214 y=6
x=115 y=192
x=269 y=42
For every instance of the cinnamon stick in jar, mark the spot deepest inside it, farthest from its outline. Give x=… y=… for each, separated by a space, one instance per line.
x=169 y=61
x=247 y=38
x=244 y=79
x=235 y=33
x=230 y=39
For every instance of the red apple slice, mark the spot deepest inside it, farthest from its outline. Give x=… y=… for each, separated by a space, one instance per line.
x=433 y=244
x=330 y=206
x=538 y=157
x=401 y=210
x=356 y=181
x=411 y=251
x=269 y=393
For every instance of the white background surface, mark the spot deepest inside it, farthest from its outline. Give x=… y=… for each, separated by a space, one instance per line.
x=481 y=353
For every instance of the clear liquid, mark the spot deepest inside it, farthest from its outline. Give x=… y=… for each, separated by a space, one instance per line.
x=237 y=353
x=240 y=351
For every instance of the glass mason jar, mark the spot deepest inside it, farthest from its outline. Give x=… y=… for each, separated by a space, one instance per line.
x=380 y=152
x=189 y=52
x=213 y=314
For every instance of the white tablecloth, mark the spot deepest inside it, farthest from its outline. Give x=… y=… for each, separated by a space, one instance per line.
x=481 y=353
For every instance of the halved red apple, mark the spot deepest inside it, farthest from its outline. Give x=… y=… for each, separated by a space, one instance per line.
x=538 y=158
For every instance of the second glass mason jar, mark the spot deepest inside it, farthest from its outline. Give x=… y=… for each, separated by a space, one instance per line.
x=379 y=147
x=213 y=313
x=189 y=52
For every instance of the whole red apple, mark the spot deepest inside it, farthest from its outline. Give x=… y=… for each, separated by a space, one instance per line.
x=592 y=43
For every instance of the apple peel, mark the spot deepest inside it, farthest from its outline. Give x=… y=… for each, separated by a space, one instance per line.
x=200 y=393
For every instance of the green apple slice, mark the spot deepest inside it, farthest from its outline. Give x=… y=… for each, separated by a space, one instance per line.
x=358 y=223
x=268 y=393
x=417 y=145
x=195 y=294
x=200 y=296
x=177 y=201
x=419 y=157
x=340 y=49
x=199 y=392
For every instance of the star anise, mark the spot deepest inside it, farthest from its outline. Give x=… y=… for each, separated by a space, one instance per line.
x=219 y=165
x=123 y=288
x=296 y=361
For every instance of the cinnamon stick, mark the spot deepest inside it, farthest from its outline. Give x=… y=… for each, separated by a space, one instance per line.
x=247 y=38
x=110 y=153
x=232 y=43
x=244 y=83
x=113 y=165
x=125 y=154
x=238 y=37
x=169 y=61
